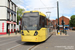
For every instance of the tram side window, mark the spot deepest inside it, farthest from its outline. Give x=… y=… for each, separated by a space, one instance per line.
x=45 y=22
x=42 y=21
x=40 y=25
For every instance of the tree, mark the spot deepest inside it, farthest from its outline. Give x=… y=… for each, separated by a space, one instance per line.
x=19 y=14
x=72 y=21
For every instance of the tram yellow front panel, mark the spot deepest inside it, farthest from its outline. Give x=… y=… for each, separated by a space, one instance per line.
x=29 y=39
x=29 y=36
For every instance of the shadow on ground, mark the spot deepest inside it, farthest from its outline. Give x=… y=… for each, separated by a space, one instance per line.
x=32 y=43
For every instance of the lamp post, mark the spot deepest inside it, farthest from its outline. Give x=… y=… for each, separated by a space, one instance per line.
x=48 y=14
x=58 y=12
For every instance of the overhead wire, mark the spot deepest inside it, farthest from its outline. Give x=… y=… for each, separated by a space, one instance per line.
x=47 y=7
x=43 y=3
x=21 y=2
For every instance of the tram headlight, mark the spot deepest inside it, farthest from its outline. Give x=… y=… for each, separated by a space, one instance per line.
x=36 y=33
x=22 y=33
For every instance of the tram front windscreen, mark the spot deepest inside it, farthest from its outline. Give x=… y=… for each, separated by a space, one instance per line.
x=30 y=21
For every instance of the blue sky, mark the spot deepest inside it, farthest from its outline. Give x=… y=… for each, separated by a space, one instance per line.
x=66 y=7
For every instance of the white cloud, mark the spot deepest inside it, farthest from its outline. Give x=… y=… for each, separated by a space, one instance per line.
x=28 y=7
x=74 y=12
x=67 y=17
x=68 y=3
x=21 y=7
x=18 y=1
x=66 y=7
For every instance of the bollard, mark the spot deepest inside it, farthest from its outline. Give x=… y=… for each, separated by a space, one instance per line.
x=59 y=32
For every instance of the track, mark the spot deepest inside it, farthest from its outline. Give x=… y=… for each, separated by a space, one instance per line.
x=14 y=43
x=34 y=45
x=30 y=48
x=14 y=47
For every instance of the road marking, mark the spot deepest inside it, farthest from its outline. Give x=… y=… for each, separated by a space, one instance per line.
x=30 y=47
x=14 y=46
x=34 y=47
x=7 y=43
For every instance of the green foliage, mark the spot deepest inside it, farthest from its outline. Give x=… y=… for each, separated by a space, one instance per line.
x=72 y=21
x=19 y=14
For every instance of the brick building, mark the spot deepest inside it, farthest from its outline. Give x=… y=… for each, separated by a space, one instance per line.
x=66 y=22
x=8 y=16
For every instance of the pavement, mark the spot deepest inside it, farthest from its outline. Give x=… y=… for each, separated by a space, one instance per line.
x=59 y=43
x=71 y=30
x=63 y=34
x=11 y=35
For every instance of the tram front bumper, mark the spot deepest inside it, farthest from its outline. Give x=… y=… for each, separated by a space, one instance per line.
x=29 y=38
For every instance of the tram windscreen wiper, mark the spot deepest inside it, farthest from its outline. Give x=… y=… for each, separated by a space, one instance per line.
x=26 y=29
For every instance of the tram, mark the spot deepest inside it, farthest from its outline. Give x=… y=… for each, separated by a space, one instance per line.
x=35 y=27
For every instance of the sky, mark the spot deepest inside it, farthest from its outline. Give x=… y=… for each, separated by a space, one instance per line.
x=66 y=7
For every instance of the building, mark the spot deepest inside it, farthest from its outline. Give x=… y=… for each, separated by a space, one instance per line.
x=8 y=17
x=66 y=22
x=54 y=23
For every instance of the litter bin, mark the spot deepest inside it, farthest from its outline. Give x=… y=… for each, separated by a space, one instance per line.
x=58 y=32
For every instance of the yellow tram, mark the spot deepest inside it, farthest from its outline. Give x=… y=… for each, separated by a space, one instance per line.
x=35 y=27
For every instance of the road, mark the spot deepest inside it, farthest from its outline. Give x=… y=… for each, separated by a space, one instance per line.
x=53 y=43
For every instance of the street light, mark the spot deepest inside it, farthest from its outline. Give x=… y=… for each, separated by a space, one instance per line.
x=48 y=14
